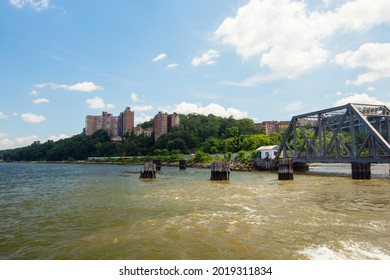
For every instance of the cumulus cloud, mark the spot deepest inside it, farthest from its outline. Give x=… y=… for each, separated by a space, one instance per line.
x=26 y=140
x=207 y=58
x=134 y=97
x=360 y=98
x=3 y=116
x=98 y=103
x=374 y=57
x=290 y=39
x=142 y=118
x=161 y=56
x=84 y=86
x=5 y=142
x=32 y=118
x=212 y=108
x=58 y=137
x=40 y=100
x=38 y=5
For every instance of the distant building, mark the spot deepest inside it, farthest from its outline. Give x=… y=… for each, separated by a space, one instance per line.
x=267 y=152
x=117 y=126
x=138 y=130
x=160 y=124
x=126 y=121
x=163 y=123
x=173 y=120
x=272 y=126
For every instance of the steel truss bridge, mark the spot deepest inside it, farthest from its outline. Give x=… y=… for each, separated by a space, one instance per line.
x=346 y=134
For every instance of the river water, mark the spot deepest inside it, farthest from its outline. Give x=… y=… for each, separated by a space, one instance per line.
x=77 y=211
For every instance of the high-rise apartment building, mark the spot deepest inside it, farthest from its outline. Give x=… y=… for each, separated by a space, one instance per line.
x=163 y=123
x=160 y=124
x=173 y=120
x=116 y=125
x=126 y=121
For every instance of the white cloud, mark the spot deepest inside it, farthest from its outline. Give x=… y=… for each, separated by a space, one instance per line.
x=290 y=39
x=212 y=108
x=98 y=103
x=360 y=98
x=84 y=86
x=374 y=57
x=172 y=65
x=40 y=100
x=360 y=15
x=35 y=92
x=370 y=89
x=33 y=118
x=143 y=108
x=134 y=97
x=58 y=137
x=143 y=118
x=207 y=58
x=3 y=116
x=161 y=56
x=38 y=5
x=26 y=140
x=5 y=142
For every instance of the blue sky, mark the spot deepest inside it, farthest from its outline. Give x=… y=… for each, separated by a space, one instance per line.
x=262 y=59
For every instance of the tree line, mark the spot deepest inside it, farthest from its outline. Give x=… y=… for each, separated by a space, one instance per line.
x=196 y=134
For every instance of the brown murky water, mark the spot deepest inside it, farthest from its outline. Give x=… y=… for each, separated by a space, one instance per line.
x=51 y=211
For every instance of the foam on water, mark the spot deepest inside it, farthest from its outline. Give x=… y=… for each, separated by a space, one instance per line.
x=346 y=250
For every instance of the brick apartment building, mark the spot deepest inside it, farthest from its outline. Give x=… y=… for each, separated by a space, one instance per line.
x=272 y=126
x=163 y=123
x=116 y=125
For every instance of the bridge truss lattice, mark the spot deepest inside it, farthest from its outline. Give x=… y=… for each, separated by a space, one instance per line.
x=344 y=134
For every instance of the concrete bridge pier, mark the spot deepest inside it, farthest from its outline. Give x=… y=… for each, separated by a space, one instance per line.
x=361 y=170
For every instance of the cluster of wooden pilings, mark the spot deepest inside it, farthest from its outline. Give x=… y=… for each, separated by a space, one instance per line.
x=361 y=170
x=285 y=170
x=220 y=170
x=149 y=171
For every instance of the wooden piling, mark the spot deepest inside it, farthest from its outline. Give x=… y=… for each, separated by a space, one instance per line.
x=149 y=171
x=361 y=170
x=182 y=164
x=220 y=170
x=158 y=164
x=285 y=170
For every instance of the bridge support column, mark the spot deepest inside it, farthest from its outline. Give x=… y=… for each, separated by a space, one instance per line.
x=285 y=171
x=361 y=170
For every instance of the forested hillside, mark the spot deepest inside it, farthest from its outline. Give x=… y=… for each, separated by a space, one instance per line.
x=196 y=133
